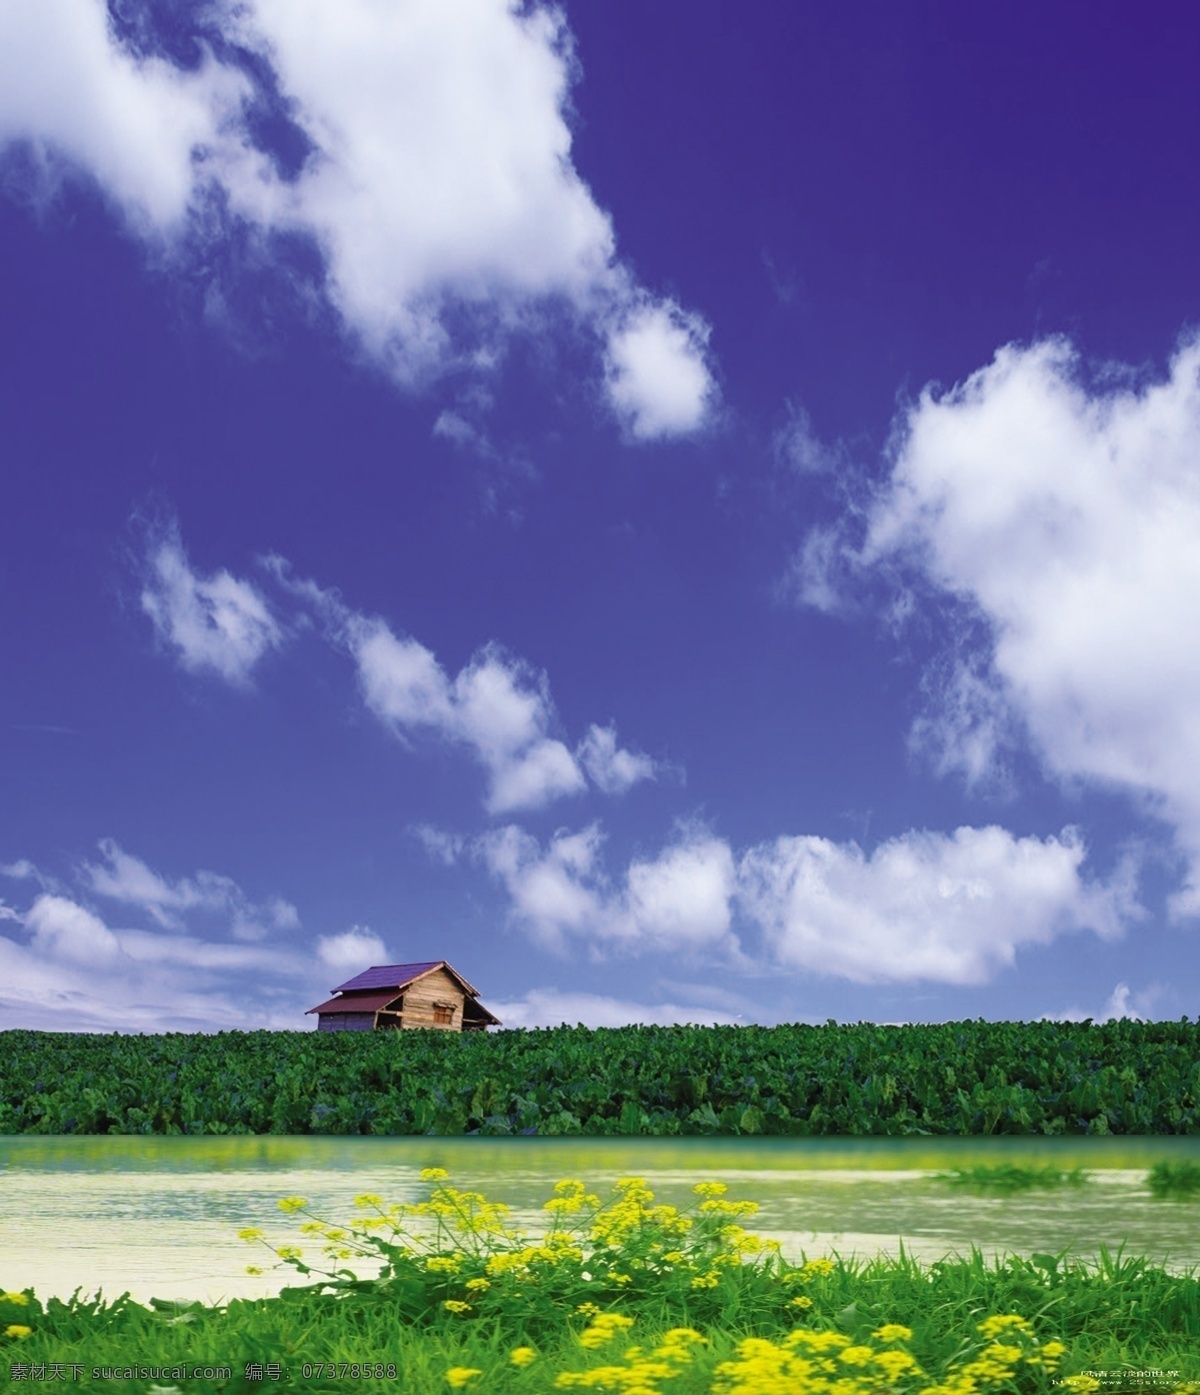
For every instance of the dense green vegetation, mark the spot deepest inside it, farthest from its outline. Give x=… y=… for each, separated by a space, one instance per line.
x=625 y=1296
x=1121 y=1077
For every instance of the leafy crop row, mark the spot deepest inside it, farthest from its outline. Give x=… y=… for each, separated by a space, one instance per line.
x=1120 y=1077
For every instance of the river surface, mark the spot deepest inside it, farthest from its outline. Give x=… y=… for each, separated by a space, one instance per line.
x=158 y=1217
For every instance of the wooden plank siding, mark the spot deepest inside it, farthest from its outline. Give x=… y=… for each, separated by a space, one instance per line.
x=435 y=1000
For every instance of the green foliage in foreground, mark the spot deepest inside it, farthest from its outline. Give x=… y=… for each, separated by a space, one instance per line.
x=1010 y=1177
x=1119 y=1077
x=627 y=1297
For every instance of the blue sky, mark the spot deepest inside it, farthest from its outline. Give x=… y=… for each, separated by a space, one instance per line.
x=687 y=512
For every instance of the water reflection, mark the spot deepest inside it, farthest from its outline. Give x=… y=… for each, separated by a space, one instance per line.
x=158 y=1216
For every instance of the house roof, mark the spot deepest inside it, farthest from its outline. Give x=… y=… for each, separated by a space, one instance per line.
x=357 y=1002
x=398 y=976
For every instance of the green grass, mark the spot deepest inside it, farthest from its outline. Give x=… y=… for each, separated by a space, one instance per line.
x=624 y=1296
x=1175 y=1180
x=1008 y=1177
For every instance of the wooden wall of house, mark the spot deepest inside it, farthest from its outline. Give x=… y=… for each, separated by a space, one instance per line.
x=346 y=1022
x=422 y=998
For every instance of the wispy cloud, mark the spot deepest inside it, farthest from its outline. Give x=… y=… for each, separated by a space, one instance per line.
x=497 y=705
x=435 y=180
x=67 y=967
x=127 y=879
x=217 y=624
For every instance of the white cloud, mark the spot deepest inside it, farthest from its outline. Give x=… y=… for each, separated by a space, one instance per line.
x=683 y=896
x=63 y=930
x=547 y=1007
x=556 y=892
x=610 y=768
x=127 y=879
x=496 y=705
x=1117 y=1007
x=68 y=969
x=441 y=846
x=438 y=177
x=217 y=623
x=947 y=908
x=1066 y=517
x=353 y=950
x=924 y=906
x=679 y=900
x=658 y=380
x=148 y=132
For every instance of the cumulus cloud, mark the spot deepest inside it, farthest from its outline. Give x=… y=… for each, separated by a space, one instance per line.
x=215 y=624
x=353 y=950
x=679 y=900
x=127 y=879
x=148 y=132
x=547 y=1007
x=946 y=908
x=435 y=179
x=658 y=379
x=1064 y=515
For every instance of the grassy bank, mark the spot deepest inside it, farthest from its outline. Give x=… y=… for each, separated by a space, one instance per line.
x=963 y=1078
x=627 y=1296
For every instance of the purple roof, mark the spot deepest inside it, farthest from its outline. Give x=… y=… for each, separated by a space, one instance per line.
x=388 y=976
x=358 y=1002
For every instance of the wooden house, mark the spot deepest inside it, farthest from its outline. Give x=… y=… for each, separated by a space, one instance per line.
x=405 y=995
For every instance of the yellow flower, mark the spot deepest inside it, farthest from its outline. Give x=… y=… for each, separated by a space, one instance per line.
x=288 y=1252
x=477 y=1285
x=522 y=1356
x=456 y=1305
x=1053 y=1350
x=17 y=1331
x=1004 y=1322
x=439 y=1174
x=458 y=1376
x=253 y=1269
x=292 y=1203
x=893 y=1332
x=710 y=1189
x=856 y=1356
x=804 y=1301
x=250 y=1232
x=368 y=1199
x=443 y=1264
x=20 y=1299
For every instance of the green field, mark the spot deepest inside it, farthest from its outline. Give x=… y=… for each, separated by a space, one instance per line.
x=962 y=1078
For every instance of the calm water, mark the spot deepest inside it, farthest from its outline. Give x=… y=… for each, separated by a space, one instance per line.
x=158 y=1216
